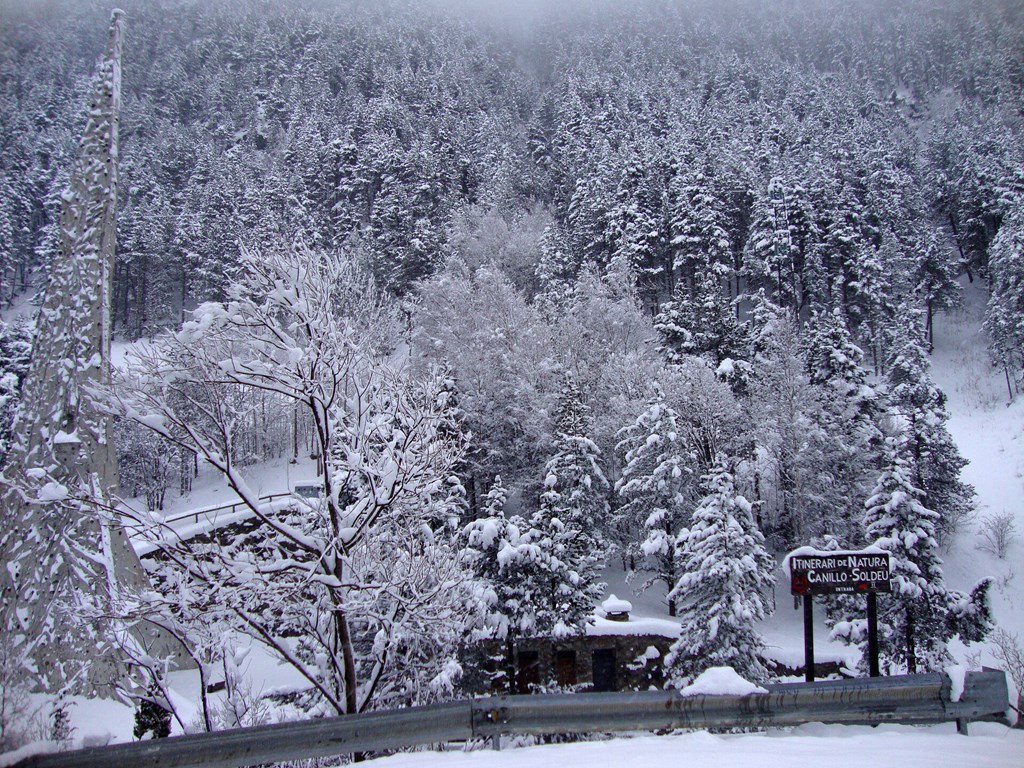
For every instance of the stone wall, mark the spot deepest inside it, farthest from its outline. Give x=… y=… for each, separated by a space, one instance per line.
x=623 y=662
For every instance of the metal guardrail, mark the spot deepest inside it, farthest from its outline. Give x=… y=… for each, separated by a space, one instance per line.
x=234 y=507
x=902 y=699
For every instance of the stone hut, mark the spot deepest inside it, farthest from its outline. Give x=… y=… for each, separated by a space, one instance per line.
x=616 y=653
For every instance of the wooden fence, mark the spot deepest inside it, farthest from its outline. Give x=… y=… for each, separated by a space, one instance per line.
x=903 y=699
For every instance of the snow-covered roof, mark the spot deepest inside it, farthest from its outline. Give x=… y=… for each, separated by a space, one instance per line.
x=602 y=627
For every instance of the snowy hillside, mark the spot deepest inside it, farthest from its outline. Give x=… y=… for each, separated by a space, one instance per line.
x=990 y=433
x=421 y=337
x=988 y=427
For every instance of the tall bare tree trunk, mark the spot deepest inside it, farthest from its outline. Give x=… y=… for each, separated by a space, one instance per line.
x=60 y=545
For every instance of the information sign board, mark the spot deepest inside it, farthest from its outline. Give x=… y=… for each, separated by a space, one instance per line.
x=829 y=573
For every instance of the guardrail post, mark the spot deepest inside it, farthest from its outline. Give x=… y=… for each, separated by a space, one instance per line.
x=873 y=634
x=982 y=691
x=808 y=638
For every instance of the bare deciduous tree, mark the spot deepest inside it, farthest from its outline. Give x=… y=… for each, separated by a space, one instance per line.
x=360 y=591
x=996 y=532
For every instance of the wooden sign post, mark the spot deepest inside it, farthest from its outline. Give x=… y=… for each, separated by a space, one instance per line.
x=814 y=572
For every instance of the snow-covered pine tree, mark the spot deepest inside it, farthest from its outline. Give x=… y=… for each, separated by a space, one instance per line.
x=1004 y=316
x=935 y=274
x=16 y=198
x=793 y=451
x=573 y=506
x=702 y=322
x=780 y=237
x=657 y=484
x=484 y=539
x=849 y=411
x=921 y=615
x=556 y=269
x=15 y=352
x=699 y=241
x=593 y=200
x=507 y=567
x=845 y=248
x=405 y=225
x=527 y=590
x=937 y=461
x=637 y=228
x=725 y=587
x=464 y=476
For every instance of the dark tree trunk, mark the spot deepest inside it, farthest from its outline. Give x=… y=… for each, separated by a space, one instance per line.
x=960 y=248
x=911 y=654
x=510 y=664
x=929 y=325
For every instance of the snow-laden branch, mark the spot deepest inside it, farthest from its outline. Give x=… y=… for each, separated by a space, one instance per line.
x=362 y=593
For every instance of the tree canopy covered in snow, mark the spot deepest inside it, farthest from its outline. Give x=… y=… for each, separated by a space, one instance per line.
x=725 y=587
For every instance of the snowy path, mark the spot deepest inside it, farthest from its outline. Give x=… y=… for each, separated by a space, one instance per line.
x=208 y=505
x=185 y=525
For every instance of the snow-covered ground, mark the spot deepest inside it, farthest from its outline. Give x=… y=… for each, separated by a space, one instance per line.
x=988 y=746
